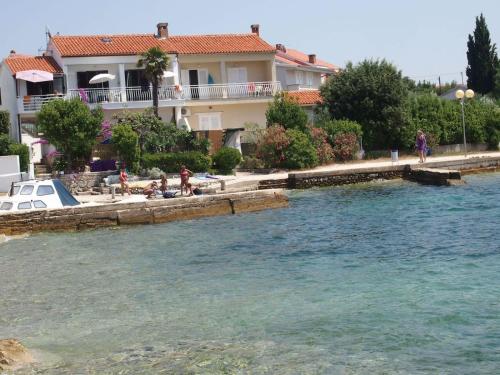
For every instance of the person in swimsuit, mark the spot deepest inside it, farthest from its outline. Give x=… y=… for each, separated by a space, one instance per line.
x=124 y=181
x=150 y=189
x=163 y=184
x=421 y=144
x=185 y=174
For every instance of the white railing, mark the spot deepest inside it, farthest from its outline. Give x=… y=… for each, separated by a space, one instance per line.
x=144 y=94
x=33 y=103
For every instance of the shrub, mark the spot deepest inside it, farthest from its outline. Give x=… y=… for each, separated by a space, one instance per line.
x=126 y=142
x=154 y=173
x=271 y=146
x=324 y=150
x=300 y=153
x=345 y=146
x=4 y=144
x=172 y=162
x=24 y=154
x=4 y=122
x=250 y=162
x=226 y=159
x=286 y=112
x=334 y=127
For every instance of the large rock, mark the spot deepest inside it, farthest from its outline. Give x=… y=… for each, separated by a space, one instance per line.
x=13 y=355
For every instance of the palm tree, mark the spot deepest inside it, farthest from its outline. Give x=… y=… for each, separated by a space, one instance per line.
x=155 y=63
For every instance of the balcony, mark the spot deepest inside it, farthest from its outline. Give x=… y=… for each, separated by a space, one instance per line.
x=33 y=103
x=141 y=97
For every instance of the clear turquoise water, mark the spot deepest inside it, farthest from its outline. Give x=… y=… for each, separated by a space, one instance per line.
x=382 y=278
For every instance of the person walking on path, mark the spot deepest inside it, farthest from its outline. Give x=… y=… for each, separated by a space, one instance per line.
x=421 y=144
x=185 y=174
x=124 y=181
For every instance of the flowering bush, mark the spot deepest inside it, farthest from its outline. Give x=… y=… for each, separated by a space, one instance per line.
x=345 y=146
x=272 y=145
x=324 y=150
x=300 y=153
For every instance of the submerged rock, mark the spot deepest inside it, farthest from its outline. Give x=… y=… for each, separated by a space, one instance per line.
x=13 y=355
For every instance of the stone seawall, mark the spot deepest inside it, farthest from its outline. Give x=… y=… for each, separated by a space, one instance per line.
x=304 y=180
x=149 y=212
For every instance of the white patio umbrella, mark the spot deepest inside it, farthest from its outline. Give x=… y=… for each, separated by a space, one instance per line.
x=101 y=78
x=35 y=76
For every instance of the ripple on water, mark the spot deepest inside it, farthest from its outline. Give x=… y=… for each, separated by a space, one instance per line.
x=367 y=279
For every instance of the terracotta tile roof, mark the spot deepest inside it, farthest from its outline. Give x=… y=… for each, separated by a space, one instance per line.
x=108 y=45
x=18 y=63
x=306 y=97
x=297 y=58
x=120 y=45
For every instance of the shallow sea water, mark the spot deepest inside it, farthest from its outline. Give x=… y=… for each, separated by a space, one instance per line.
x=379 y=278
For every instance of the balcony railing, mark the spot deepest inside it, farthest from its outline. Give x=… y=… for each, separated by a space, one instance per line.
x=31 y=103
x=144 y=94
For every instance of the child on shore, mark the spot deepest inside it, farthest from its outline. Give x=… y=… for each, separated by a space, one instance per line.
x=124 y=181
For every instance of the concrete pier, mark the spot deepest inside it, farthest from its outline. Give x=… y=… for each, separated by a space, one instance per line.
x=149 y=212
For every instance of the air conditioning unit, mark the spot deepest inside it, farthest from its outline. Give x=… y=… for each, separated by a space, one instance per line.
x=186 y=112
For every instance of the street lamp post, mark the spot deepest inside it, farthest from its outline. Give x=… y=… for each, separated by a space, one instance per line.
x=461 y=95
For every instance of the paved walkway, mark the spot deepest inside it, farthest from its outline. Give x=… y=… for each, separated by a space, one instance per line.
x=359 y=164
x=246 y=178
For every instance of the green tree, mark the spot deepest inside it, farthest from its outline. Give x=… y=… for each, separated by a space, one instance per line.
x=482 y=59
x=71 y=127
x=371 y=93
x=126 y=142
x=155 y=63
x=4 y=122
x=301 y=152
x=496 y=91
x=286 y=112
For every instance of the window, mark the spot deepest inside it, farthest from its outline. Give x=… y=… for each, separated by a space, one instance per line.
x=24 y=206
x=209 y=121
x=309 y=77
x=44 y=190
x=83 y=79
x=300 y=77
x=39 y=88
x=39 y=204
x=27 y=190
x=6 y=206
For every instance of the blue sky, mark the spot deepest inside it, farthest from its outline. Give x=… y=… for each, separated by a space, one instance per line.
x=424 y=38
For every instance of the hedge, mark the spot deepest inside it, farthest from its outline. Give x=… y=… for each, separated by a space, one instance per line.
x=172 y=162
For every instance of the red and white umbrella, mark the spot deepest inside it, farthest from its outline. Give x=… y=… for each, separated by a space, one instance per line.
x=35 y=76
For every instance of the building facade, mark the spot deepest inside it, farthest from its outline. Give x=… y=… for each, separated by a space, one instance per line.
x=214 y=82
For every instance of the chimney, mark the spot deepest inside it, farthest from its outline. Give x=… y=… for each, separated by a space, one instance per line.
x=312 y=59
x=12 y=52
x=255 y=29
x=281 y=47
x=162 y=28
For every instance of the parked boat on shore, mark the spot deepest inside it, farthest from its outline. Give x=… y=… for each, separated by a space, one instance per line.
x=34 y=195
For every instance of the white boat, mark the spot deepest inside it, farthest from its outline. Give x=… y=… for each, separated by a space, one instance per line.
x=35 y=195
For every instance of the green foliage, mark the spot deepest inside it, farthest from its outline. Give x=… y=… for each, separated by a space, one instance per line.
x=126 y=143
x=496 y=91
x=71 y=127
x=482 y=59
x=4 y=122
x=24 y=154
x=155 y=63
x=371 y=93
x=334 y=127
x=286 y=112
x=301 y=152
x=226 y=159
x=250 y=162
x=324 y=150
x=345 y=146
x=4 y=144
x=172 y=162
x=493 y=129
x=271 y=146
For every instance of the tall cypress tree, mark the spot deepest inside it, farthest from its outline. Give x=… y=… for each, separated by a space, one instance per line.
x=482 y=59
